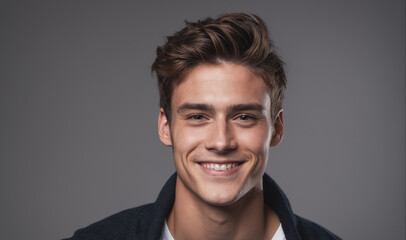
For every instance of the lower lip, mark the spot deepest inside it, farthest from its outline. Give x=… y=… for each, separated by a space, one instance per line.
x=227 y=172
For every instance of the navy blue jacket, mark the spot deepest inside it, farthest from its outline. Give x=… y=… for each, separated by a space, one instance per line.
x=146 y=222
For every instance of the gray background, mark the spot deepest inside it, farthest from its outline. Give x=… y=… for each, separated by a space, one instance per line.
x=79 y=111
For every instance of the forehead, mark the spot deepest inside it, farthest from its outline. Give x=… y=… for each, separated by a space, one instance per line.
x=224 y=83
x=224 y=80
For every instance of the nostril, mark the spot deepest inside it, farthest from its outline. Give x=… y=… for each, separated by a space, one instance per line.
x=220 y=138
x=222 y=149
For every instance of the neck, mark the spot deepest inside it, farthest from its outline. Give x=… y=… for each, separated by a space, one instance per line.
x=247 y=218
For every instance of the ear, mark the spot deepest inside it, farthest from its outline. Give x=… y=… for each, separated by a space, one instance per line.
x=163 y=129
x=278 y=129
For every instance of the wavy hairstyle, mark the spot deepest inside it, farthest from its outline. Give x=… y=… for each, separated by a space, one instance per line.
x=236 y=37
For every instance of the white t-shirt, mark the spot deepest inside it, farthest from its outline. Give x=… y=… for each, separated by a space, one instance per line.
x=166 y=235
x=279 y=234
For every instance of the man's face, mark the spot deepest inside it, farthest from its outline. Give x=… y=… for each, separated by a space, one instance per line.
x=220 y=131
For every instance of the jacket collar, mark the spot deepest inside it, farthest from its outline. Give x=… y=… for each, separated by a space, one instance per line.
x=277 y=200
x=273 y=197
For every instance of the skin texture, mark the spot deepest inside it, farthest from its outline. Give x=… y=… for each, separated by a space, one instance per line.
x=221 y=115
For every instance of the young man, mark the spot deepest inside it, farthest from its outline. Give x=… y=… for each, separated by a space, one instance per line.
x=221 y=86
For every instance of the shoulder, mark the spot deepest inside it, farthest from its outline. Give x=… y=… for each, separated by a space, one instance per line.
x=310 y=230
x=127 y=224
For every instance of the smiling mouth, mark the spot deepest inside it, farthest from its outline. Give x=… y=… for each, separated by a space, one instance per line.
x=220 y=167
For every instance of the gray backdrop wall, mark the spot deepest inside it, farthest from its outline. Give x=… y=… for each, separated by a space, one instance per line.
x=79 y=111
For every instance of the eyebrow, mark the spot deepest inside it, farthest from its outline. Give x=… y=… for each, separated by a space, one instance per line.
x=209 y=108
x=195 y=106
x=246 y=107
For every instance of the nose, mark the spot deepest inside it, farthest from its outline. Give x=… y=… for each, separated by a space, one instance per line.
x=221 y=138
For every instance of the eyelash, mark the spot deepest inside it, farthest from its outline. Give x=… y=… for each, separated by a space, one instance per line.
x=194 y=117
x=249 y=117
x=201 y=117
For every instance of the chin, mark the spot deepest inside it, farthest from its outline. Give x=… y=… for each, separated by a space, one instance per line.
x=219 y=202
x=220 y=198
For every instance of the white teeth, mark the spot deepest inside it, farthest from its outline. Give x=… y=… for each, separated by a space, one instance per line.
x=219 y=167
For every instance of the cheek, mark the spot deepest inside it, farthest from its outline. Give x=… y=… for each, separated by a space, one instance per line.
x=185 y=140
x=257 y=142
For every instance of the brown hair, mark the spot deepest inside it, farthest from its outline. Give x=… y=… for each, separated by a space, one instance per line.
x=235 y=37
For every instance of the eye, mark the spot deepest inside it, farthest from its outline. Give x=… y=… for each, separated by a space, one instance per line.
x=246 y=120
x=197 y=117
x=245 y=117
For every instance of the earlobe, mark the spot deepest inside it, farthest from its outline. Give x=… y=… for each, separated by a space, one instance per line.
x=278 y=130
x=163 y=129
